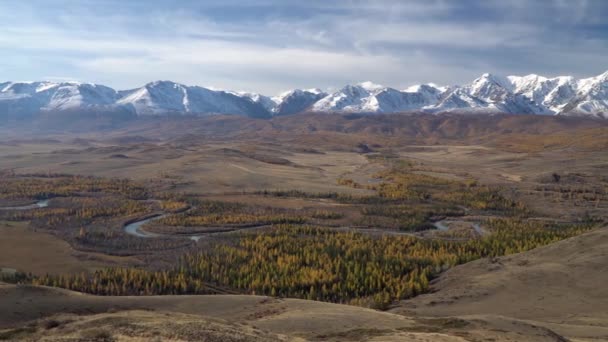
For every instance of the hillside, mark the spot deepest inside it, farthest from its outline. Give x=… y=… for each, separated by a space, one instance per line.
x=547 y=294
x=556 y=285
x=519 y=132
x=45 y=314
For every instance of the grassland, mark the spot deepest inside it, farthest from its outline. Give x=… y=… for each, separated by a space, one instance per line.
x=52 y=254
x=87 y=211
x=286 y=199
x=56 y=315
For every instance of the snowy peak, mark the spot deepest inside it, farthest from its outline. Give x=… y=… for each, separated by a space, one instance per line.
x=157 y=98
x=425 y=88
x=75 y=96
x=492 y=88
x=429 y=93
x=350 y=98
x=370 y=86
x=26 y=99
x=529 y=85
x=457 y=99
x=533 y=94
x=265 y=101
x=166 y=97
x=296 y=101
x=591 y=97
x=368 y=97
x=315 y=91
x=593 y=84
x=391 y=100
x=24 y=89
x=602 y=77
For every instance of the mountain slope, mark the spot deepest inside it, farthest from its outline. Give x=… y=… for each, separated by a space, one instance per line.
x=531 y=94
x=265 y=101
x=49 y=314
x=591 y=97
x=25 y=99
x=556 y=284
x=165 y=97
x=296 y=101
x=368 y=97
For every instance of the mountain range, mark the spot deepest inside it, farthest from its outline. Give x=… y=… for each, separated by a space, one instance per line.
x=531 y=94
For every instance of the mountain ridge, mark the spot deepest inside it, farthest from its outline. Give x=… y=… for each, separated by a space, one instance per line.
x=529 y=94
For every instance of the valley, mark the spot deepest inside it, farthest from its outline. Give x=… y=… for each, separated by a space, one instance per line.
x=295 y=171
x=289 y=216
x=323 y=171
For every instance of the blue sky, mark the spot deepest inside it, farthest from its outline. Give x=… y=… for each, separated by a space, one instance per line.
x=269 y=45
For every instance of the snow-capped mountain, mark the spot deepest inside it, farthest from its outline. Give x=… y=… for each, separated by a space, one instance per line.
x=368 y=97
x=591 y=97
x=351 y=98
x=296 y=101
x=268 y=103
x=531 y=94
x=456 y=99
x=498 y=93
x=165 y=97
x=28 y=98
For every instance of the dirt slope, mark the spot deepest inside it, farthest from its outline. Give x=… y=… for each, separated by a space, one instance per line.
x=251 y=318
x=553 y=293
x=29 y=313
x=560 y=286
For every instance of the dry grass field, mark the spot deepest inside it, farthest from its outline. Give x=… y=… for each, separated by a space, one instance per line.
x=556 y=167
x=556 y=286
x=216 y=168
x=40 y=253
x=54 y=315
x=522 y=172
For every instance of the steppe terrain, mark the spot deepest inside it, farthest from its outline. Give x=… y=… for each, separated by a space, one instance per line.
x=324 y=172
x=547 y=294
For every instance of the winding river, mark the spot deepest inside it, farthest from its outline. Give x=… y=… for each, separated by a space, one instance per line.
x=134 y=228
x=37 y=205
x=478 y=229
x=443 y=226
x=440 y=225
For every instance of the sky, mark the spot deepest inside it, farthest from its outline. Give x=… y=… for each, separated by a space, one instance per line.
x=269 y=46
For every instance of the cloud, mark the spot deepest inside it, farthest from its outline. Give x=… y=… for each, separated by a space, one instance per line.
x=272 y=45
x=241 y=66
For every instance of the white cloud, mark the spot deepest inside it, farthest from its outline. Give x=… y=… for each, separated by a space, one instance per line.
x=328 y=44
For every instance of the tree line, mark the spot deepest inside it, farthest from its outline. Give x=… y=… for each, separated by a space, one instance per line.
x=321 y=264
